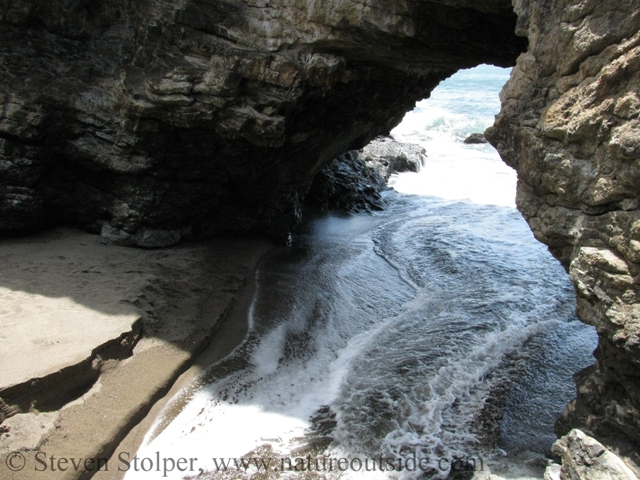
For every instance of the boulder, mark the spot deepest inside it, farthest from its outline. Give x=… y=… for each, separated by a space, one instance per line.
x=583 y=457
x=475 y=138
x=210 y=118
x=388 y=156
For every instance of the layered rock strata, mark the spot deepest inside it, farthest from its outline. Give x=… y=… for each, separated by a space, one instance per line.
x=155 y=121
x=570 y=126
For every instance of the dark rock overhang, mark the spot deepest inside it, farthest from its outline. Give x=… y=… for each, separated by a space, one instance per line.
x=166 y=121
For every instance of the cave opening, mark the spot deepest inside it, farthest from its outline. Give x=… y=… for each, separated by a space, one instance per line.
x=450 y=125
x=437 y=328
x=461 y=167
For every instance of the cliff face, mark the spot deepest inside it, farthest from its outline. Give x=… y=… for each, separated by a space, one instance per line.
x=156 y=120
x=570 y=126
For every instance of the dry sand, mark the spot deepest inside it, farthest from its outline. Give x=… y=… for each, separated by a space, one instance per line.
x=92 y=337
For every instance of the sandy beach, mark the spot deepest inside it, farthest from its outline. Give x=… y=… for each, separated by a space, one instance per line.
x=95 y=339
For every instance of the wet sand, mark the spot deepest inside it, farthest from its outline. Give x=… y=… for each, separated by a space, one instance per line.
x=95 y=339
x=232 y=331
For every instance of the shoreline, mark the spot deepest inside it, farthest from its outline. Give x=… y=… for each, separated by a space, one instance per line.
x=229 y=335
x=166 y=315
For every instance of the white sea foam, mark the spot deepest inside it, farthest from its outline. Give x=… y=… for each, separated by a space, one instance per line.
x=462 y=105
x=398 y=327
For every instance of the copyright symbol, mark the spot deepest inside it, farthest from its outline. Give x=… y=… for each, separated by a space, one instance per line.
x=15 y=461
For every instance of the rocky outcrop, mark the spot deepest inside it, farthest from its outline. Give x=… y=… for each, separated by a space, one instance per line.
x=475 y=138
x=347 y=184
x=354 y=181
x=388 y=156
x=570 y=126
x=583 y=457
x=156 y=121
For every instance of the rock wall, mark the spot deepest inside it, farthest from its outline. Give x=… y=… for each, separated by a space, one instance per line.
x=156 y=120
x=570 y=126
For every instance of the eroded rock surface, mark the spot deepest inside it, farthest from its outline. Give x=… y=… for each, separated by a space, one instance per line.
x=584 y=457
x=388 y=156
x=203 y=117
x=354 y=181
x=347 y=184
x=570 y=126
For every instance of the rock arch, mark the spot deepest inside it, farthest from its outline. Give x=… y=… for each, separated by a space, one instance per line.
x=152 y=121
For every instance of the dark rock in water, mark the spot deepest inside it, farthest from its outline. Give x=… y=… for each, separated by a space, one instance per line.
x=389 y=156
x=354 y=180
x=475 y=138
x=347 y=184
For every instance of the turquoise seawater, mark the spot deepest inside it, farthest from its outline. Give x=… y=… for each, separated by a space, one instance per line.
x=464 y=104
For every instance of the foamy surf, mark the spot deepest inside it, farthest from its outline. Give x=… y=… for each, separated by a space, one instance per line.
x=424 y=334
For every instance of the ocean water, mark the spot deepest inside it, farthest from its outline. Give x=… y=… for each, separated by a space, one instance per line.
x=460 y=106
x=390 y=345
